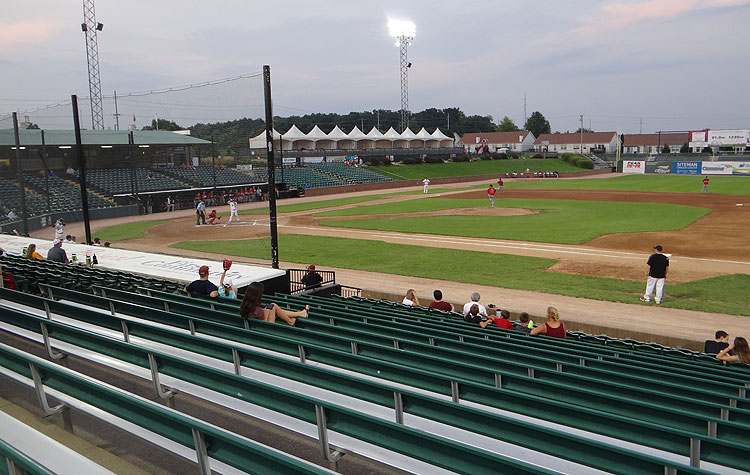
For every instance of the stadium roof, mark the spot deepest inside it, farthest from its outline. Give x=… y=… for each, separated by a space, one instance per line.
x=516 y=136
x=672 y=138
x=97 y=137
x=575 y=137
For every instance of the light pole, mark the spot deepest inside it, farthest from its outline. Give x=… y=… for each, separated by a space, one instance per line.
x=404 y=32
x=89 y=27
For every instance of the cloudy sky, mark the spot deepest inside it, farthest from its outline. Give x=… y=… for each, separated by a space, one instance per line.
x=675 y=64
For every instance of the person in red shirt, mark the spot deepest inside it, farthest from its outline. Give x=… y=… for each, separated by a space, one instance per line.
x=212 y=217
x=491 y=195
x=504 y=322
x=500 y=185
x=438 y=304
x=705 y=185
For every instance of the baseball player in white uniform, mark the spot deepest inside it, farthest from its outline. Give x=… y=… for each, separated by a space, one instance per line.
x=233 y=211
x=60 y=229
x=426 y=182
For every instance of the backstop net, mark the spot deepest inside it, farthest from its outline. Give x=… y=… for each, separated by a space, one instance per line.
x=159 y=147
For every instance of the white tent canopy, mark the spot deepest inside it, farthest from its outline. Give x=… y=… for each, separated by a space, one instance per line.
x=295 y=139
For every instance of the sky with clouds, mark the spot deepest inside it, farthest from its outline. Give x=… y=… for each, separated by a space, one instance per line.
x=675 y=64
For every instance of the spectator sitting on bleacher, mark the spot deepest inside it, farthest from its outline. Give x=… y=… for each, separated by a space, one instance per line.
x=203 y=286
x=720 y=341
x=251 y=307
x=439 y=304
x=740 y=352
x=69 y=239
x=524 y=323
x=475 y=300
x=225 y=287
x=57 y=253
x=474 y=317
x=411 y=298
x=504 y=321
x=31 y=253
x=553 y=326
x=311 y=279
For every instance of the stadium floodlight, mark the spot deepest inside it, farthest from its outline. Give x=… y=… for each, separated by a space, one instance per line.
x=404 y=31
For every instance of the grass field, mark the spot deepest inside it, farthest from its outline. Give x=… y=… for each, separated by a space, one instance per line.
x=730 y=185
x=480 y=167
x=120 y=232
x=558 y=221
x=293 y=208
x=725 y=294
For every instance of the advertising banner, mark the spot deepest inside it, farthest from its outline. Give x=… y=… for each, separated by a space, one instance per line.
x=726 y=168
x=634 y=166
x=659 y=168
x=700 y=136
x=728 y=137
x=686 y=168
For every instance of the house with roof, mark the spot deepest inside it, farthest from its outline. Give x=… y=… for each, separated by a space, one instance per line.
x=590 y=142
x=654 y=143
x=496 y=142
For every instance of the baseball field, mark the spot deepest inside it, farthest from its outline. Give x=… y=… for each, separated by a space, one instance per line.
x=579 y=244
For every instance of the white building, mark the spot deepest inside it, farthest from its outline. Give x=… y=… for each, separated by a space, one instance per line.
x=602 y=142
x=497 y=142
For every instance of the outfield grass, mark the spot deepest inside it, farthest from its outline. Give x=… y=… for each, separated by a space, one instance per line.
x=480 y=167
x=725 y=294
x=121 y=232
x=335 y=202
x=730 y=185
x=558 y=221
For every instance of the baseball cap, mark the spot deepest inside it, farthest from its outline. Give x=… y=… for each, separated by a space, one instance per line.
x=311 y=267
x=203 y=270
x=227 y=282
x=56 y=242
x=658 y=247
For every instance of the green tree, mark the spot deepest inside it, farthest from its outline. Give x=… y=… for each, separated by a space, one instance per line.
x=507 y=125
x=685 y=148
x=585 y=130
x=31 y=126
x=537 y=124
x=163 y=124
x=666 y=149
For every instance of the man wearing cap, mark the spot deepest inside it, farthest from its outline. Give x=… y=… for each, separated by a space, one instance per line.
x=57 y=253
x=312 y=279
x=658 y=265
x=203 y=286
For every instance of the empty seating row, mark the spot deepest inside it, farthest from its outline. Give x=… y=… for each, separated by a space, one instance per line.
x=114 y=181
x=351 y=173
x=27 y=273
x=502 y=373
x=64 y=195
x=436 y=450
x=302 y=177
x=204 y=176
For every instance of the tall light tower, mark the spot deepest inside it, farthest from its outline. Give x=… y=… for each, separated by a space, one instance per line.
x=404 y=32
x=90 y=27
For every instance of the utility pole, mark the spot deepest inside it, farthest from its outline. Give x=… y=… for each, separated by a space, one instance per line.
x=449 y=121
x=117 y=114
x=525 y=117
x=82 y=169
x=640 y=127
x=581 y=134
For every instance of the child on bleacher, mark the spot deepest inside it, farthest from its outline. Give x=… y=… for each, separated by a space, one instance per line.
x=524 y=323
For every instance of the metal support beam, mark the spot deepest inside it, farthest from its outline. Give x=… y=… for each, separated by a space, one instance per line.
x=201 y=453
x=302 y=354
x=454 y=392
x=271 y=168
x=125 y=331
x=325 y=448
x=237 y=362
x=695 y=453
x=153 y=365
x=398 y=406
x=41 y=396
x=53 y=354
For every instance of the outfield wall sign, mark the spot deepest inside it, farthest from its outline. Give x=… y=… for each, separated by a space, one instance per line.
x=686 y=168
x=634 y=166
x=726 y=168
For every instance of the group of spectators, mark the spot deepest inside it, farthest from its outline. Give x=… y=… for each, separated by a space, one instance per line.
x=56 y=253
x=475 y=312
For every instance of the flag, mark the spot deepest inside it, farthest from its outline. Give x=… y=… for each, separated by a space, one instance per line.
x=133 y=117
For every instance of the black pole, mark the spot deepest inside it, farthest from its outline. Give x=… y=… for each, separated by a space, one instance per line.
x=213 y=161
x=82 y=170
x=281 y=158
x=271 y=168
x=46 y=171
x=133 y=175
x=21 y=184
